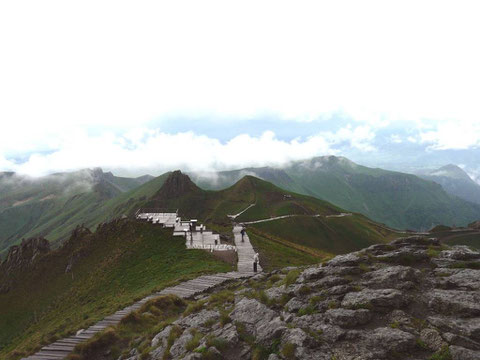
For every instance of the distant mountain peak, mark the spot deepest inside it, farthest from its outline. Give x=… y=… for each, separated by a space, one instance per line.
x=451 y=171
x=176 y=185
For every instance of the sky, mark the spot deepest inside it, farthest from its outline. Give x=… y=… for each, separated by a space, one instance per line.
x=148 y=86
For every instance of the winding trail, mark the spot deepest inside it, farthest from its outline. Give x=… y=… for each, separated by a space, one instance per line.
x=277 y=218
x=245 y=251
x=233 y=217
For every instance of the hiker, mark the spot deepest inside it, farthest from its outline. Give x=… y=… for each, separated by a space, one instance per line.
x=243 y=233
x=255 y=262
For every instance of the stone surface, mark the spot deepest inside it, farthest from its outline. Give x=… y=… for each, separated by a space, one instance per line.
x=377 y=300
x=348 y=318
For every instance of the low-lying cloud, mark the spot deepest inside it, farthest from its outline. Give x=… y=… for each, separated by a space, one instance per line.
x=153 y=151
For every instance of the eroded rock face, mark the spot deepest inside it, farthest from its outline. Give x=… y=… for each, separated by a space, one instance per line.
x=23 y=255
x=410 y=299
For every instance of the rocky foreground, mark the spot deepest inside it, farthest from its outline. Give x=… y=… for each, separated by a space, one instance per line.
x=411 y=299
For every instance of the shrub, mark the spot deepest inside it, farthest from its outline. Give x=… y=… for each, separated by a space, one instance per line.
x=305 y=290
x=193 y=343
x=99 y=342
x=288 y=351
x=224 y=318
x=194 y=307
x=220 y=298
x=291 y=277
x=466 y=265
x=217 y=342
x=308 y=310
x=442 y=354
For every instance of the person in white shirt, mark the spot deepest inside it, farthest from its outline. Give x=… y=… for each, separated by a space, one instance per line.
x=255 y=262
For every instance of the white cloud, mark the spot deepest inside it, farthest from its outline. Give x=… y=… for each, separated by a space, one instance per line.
x=395 y=138
x=157 y=152
x=359 y=137
x=452 y=135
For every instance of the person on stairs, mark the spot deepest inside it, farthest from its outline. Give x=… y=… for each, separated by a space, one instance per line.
x=243 y=233
x=255 y=262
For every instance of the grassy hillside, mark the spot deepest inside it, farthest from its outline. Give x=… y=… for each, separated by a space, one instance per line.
x=53 y=206
x=122 y=261
x=402 y=201
x=327 y=234
x=330 y=235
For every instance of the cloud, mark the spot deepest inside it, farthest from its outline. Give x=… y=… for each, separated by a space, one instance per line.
x=453 y=135
x=155 y=151
x=359 y=137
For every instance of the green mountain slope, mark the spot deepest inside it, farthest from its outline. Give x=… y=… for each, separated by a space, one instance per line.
x=455 y=181
x=399 y=200
x=311 y=227
x=54 y=205
x=90 y=277
x=93 y=274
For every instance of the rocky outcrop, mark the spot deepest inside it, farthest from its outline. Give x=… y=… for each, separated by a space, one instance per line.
x=24 y=255
x=411 y=299
x=176 y=185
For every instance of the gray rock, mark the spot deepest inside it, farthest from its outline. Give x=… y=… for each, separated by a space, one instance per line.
x=296 y=336
x=295 y=304
x=193 y=356
x=460 y=353
x=465 y=327
x=351 y=259
x=378 y=300
x=197 y=320
x=461 y=279
x=402 y=255
x=329 y=281
x=275 y=293
x=460 y=252
x=160 y=342
x=391 y=340
x=432 y=339
x=267 y=332
x=228 y=333
x=391 y=276
x=348 y=318
x=415 y=240
x=273 y=357
x=178 y=348
x=455 y=302
x=312 y=273
x=454 y=339
x=339 y=290
x=250 y=312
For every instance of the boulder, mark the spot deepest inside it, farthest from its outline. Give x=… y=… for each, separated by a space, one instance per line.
x=348 y=318
x=455 y=302
x=460 y=353
x=377 y=300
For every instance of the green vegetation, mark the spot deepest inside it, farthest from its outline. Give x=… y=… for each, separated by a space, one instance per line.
x=400 y=200
x=288 y=351
x=122 y=261
x=280 y=254
x=329 y=235
x=442 y=354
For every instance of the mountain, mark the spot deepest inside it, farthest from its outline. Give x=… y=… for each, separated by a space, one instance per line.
x=414 y=298
x=95 y=272
x=400 y=200
x=46 y=293
x=454 y=181
x=53 y=205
